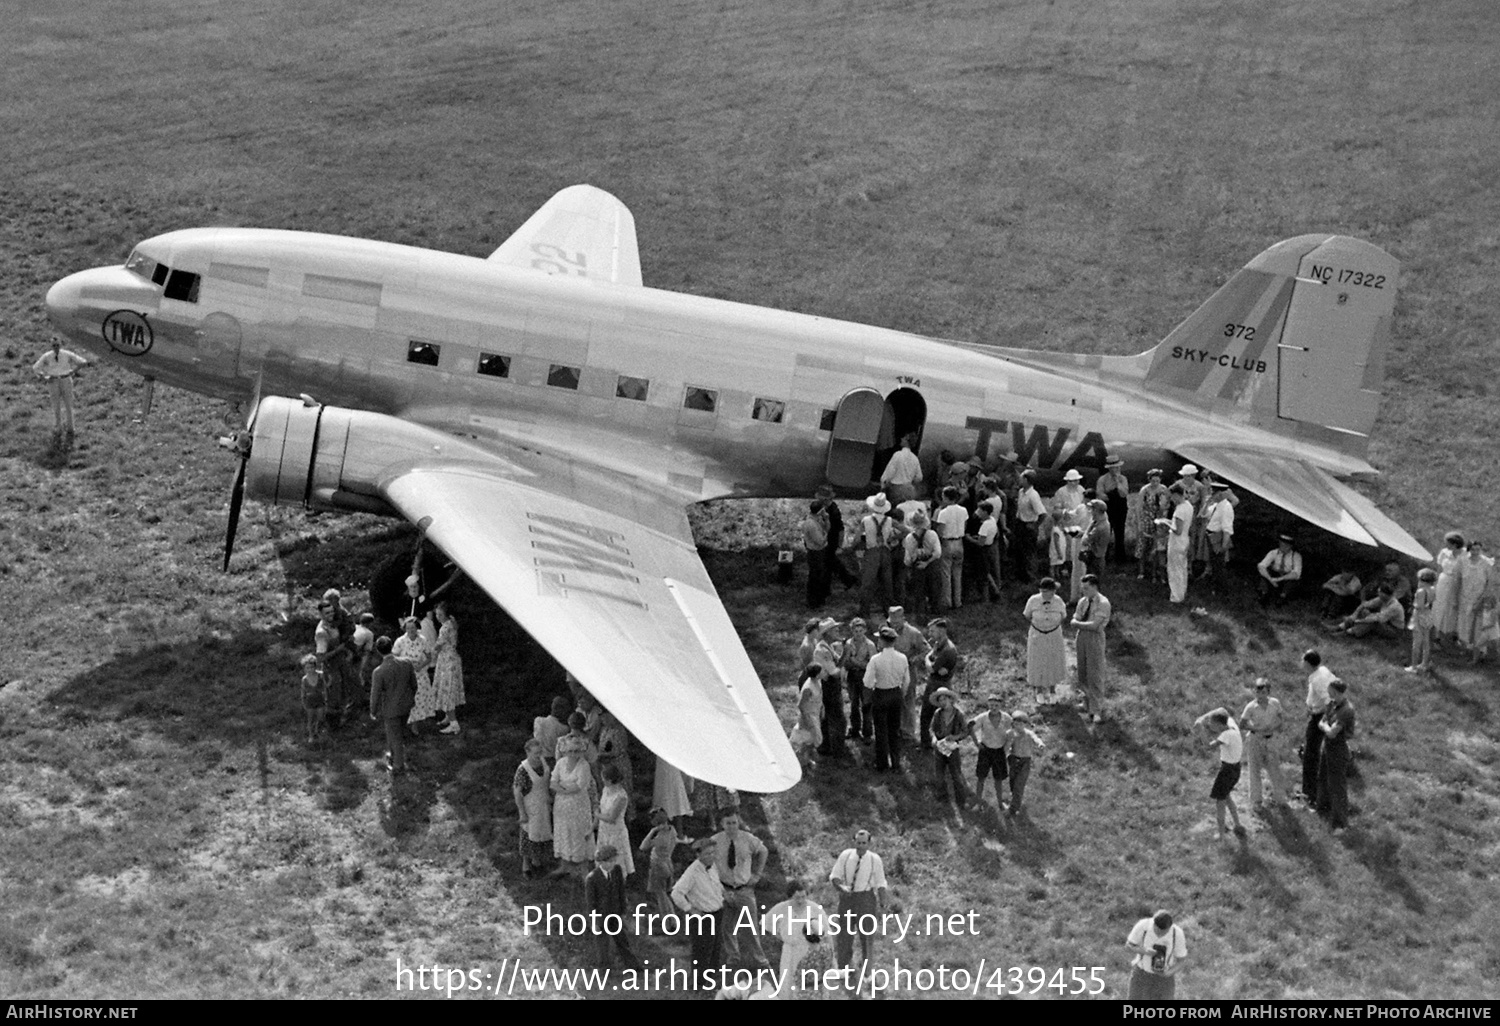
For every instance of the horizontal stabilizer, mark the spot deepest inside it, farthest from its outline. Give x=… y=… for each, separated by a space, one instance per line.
x=1308 y=491
x=582 y=232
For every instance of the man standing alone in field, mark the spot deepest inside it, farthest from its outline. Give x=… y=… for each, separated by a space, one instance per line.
x=57 y=368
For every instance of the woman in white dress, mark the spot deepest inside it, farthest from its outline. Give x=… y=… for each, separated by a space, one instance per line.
x=669 y=792
x=1046 y=658
x=574 y=806
x=448 y=670
x=1445 y=604
x=613 y=804
x=1179 y=541
x=532 y=789
x=1476 y=572
x=411 y=648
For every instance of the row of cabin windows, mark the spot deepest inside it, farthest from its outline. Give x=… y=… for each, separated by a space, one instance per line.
x=772 y=411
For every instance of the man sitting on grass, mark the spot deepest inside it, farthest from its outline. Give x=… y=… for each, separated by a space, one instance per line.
x=1381 y=615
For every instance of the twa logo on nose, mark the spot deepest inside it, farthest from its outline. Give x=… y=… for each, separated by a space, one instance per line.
x=127 y=332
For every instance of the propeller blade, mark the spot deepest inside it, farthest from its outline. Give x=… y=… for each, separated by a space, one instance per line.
x=236 y=500
x=254 y=407
x=150 y=394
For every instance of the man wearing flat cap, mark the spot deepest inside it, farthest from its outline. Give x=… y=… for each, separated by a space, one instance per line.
x=604 y=893
x=1114 y=489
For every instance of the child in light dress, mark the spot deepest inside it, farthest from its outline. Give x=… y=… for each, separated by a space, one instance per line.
x=660 y=841
x=314 y=698
x=1422 y=618
x=807 y=735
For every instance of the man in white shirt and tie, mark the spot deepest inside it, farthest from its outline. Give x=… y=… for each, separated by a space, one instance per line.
x=57 y=368
x=859 y=877
x=740 y=860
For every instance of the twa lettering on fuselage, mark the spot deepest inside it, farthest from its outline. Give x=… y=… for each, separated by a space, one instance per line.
x=575 y=559
x=127 y=333
x=1038 y=446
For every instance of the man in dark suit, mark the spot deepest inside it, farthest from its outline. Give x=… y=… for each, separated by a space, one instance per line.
x=393 y=691
x=604 y=893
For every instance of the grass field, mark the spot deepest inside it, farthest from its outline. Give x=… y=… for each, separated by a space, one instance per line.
x=1057 y=174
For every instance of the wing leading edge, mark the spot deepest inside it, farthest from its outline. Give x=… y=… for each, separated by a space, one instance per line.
x=1307 y=491
x=628 y=610
x=582 y=232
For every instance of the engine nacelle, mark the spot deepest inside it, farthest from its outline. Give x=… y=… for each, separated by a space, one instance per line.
x=331 y=459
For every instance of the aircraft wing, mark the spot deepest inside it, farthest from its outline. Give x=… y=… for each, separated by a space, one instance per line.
x=582 y=232
x=625 y=607
x=1308 y=491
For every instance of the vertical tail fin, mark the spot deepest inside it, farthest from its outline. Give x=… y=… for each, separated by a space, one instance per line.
x=1295 y=341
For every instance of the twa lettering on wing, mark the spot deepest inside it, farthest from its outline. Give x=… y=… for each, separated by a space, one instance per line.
x=571 y=558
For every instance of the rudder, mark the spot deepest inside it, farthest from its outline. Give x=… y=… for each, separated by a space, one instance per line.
x=1296 y=336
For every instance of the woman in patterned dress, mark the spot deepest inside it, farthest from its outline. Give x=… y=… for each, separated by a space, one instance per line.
x=1445 y=605
x=613 y=804
x=448 y=670
x=411 y=648
x=532 y=788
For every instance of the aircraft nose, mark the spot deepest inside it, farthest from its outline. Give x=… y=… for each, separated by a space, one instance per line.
x=63 y=300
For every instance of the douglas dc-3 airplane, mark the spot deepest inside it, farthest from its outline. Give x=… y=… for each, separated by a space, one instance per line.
x=552 y=418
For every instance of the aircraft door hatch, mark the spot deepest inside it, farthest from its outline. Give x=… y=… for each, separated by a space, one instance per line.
x=219 y=345
x=856 y=431
x=905 y=414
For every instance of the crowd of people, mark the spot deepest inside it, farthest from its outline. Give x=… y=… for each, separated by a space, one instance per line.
x=886 y=693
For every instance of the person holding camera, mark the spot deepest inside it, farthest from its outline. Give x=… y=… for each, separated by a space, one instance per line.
x=1160 y=953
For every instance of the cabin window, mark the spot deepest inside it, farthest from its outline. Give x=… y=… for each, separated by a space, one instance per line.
x=825 y=423
x=425 y=353
x=563 y=376
x=183 y=285
x=704 y=399
x=494 y=365
x=632 y=388
x=769 y=410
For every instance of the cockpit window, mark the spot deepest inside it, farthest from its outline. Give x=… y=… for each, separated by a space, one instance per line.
x=139 y=263
x=182 y=285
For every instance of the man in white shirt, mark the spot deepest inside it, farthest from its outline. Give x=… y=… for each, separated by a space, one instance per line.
x=1029 y=510
x=903 y=473
x=699 y=894
x=859 y=876
x=57 y=368
x=1220 y=530
x=800 y=923
x=888 y=676
x=1231 y=747
x=1260 y=724
x=1318 y=679
x=949 y=521
x=1280 y=570
x=1161 y=951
